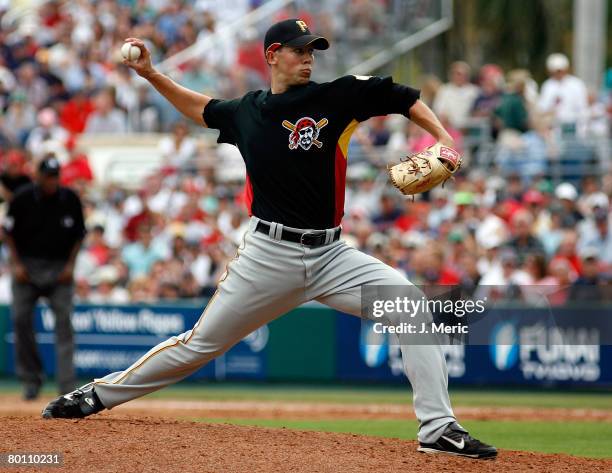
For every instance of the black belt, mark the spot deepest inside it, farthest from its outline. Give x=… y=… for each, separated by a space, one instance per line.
x=311 y=239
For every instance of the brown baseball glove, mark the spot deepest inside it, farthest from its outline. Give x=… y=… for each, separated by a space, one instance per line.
x=424 y=170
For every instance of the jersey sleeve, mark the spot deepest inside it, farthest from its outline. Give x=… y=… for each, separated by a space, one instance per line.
x=220 y=115
x=369 y=97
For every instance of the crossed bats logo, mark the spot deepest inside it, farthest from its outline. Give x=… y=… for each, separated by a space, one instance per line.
x=305 y=132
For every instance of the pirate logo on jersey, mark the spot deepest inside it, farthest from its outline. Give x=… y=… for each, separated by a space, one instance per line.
x=304 y=133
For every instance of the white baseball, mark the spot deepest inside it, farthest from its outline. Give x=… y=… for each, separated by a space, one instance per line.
x=130 y=52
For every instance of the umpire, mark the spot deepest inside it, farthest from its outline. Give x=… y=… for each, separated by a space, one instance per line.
x=44 y=229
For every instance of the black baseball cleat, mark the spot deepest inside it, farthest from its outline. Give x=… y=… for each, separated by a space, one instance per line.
x=455 y=441
x=77 y=404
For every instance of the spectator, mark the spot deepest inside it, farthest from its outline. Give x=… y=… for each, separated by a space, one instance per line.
x=503 y=279
x=588 y=287
x=76 y=112
x=48 y=136
x=388 y=213
x=597 y=119
x=141 y=289
x=14 y=175
x=44 y=231
x=591 y=197
x=82 y=291
x=535 y=268
x=564 y=96
x=567 y=195
x=441 y=209
x=180 y=149
x=379 y=133
x=22 y=118
x=470 y=276
x=490 y=94
x=429 y=268
x=107 y=292
x=76 y=172
x=189 y=287
x=168 y=291
x=172 y=18
x=524 y=242
x=559 y=281
x=141 y=254
x=568 y=251
x=426 y=140
x=96 y=246
x=250 y=57
x=107 y=118
x=512 y=110
x=430 y=85
x=147 y=115
x=32 y=85
x=551 y=238
x=455 y=99
x=595 y=234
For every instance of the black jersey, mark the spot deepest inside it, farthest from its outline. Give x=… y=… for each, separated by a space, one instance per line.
x=295 y=144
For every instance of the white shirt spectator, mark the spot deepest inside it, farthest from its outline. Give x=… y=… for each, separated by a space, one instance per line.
x=178 y=157
x=201 y=269
x=112 y=122
x=492 y=232
x=566 y=98
x=455 y=102
x=42 y=139
x=168 y=201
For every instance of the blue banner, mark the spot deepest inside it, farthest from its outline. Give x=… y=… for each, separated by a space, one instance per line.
x=520 y=352
x=111 y=338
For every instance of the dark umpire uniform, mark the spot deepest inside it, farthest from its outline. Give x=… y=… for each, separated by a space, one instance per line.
x=44 y=229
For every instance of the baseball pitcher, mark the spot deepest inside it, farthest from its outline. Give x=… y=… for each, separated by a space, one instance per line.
x=294 y=139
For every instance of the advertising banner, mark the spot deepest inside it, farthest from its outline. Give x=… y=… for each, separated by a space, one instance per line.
x=111 y=338
x=521 y=350
x=514 y=347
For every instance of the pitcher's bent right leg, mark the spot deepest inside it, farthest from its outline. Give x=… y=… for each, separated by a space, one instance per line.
x=264 y=282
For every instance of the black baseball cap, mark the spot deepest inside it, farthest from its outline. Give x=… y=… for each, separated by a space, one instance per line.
x=49 y=167
x=293 y=32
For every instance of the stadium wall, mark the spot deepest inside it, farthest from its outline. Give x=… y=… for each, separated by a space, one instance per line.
x=315 y=343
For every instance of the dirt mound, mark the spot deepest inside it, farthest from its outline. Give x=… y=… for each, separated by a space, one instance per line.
x=115 y=442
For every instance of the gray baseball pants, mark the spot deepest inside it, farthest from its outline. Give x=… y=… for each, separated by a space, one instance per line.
x=28 y=365
x=268 y=278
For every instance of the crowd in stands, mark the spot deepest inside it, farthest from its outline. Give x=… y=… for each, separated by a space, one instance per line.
x=497 y=230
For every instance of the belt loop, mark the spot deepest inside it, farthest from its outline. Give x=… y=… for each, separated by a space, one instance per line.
x=253 y=224
x=329 y=235
x=272 y=231
x=279 y=231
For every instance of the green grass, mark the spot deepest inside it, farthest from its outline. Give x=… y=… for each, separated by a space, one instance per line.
x=586 y=439
x=363 y=395
x=386 y=395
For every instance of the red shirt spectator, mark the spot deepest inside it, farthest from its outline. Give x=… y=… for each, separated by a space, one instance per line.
x=75 y=113
x=250 y=57
x=448 y=277
x=97 y=247
x=77 y=169
x=144 y=218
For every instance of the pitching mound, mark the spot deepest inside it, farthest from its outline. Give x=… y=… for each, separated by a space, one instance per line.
x=114 y=442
